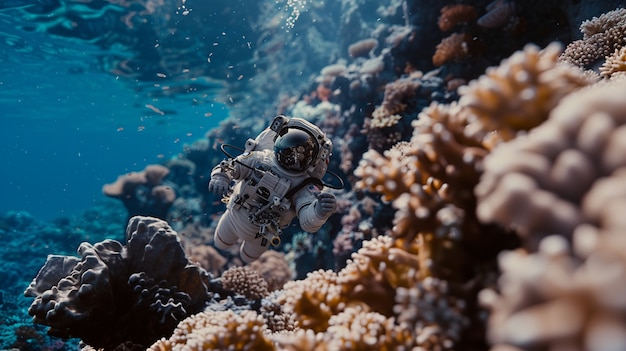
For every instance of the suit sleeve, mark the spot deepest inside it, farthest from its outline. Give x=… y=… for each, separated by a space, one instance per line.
x=235 y=168
x=305 y=201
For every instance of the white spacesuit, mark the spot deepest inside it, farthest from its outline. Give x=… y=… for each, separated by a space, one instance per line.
x=277 y=178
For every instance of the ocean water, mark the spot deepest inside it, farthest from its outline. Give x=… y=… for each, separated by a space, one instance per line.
x=93 y=89
x=68 y=126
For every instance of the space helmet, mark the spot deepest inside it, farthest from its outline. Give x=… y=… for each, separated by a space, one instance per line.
x=296 y=149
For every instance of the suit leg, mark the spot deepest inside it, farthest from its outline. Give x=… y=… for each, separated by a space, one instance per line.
x=225 y=232
x=251 y=250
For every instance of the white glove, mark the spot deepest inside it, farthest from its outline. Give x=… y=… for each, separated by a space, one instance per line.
x=219 y=184
x=326 y=205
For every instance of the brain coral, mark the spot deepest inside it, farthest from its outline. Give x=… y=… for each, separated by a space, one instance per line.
x=117 y=293
x=540 y=184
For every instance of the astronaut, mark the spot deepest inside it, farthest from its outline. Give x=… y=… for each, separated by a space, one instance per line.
x=278 y=177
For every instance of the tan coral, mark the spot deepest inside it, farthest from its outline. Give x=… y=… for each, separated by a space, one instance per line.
x=452 y=15
x=519 y=93
x=356 y=328
x=435 y=318
x=313 y=300
x=383 y=174
x=451 y=48
x=362 y=47
x=537 y=184
x=163 y=194
x=245 y=281
x=273 y=268
x=124 y=184
x=499 y=13
x=600 y=24
x=601 y=37
x=383 y=127
x=395 y=100
x=207 y=257
x=614 y=65
x=380 y=119
x=218 y=330
x=277 y=319
x=429 y=181
x=550 y=299
x=301 y=339
x=155 y=174
x=376 y=270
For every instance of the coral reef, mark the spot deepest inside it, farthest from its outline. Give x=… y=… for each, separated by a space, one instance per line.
x=478 y=214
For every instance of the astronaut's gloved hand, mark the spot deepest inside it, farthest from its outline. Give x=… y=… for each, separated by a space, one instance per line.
x=219 y=184
x=326 y=205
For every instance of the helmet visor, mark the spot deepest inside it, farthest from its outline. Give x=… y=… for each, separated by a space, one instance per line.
x=295 y=149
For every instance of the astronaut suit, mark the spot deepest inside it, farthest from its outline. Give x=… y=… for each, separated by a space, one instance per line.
x=277 y=178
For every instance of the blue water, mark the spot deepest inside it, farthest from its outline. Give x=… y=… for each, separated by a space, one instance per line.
x=68 y=127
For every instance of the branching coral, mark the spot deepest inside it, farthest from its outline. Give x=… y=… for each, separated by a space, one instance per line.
x=537 y=184
x=551 y=298
x=397 y=95
x=615 y=65
x=313 y=300
x=601 y=37
x=430 y=180
x=428 y=310
x=383 y=127
x=376 y=271
x=218 y=330
x=452 y=15
x=276 y=318
x=378 y=301
x=451 y=48
x=355 y=328
x=519 y=93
